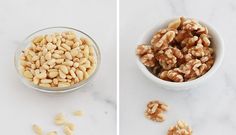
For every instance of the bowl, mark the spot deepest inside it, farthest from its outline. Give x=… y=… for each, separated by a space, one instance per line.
x=26 y=43
x=217 y=44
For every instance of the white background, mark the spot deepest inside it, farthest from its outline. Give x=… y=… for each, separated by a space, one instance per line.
x=209 y=109
x=20 y=107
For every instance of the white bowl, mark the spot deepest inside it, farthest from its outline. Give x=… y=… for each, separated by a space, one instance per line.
x=217 y=44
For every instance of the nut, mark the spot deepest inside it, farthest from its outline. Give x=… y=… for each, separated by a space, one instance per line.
x=175 y=24
x=166 y=58
x=78 y=113
x=28 y=74
x=181 y=128
x=51 y=57
x=70 y=125
x=179 y=53
x=143 y=49
x=38 y=130
x=155 y=111
x=59 y=119
x=160 y=41
x=148 y=60
x=67 y=131
x=175 y=76
x=52 y=133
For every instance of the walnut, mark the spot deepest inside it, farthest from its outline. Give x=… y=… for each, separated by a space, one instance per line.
x=203 y=68
x=166 y=58
x=161 y=40
x=193 y=66
x=155 y=111
x=146 y=55
x=208 y=51
x=181 y=128
x=197 y=50
x=202 y=30
x=188 y=57
x=205 y=39
x=148 y=60
x=158 y=36
x=177 y=53
x=189 y=42
x=143 y=49
x=175 y=24
x=204 y=59
x=181 y=52
x=191 y=25
x=175 y=76
x=183 y=34
x=210 y=62
x=163 y=75
x=184 y=69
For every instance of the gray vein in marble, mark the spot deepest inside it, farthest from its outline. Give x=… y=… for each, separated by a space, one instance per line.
x=177 y=7
x=108 y=101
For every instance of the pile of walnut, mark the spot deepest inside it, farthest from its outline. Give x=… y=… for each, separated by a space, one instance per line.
x=181 y=128
x=179 y=53
x=58 y=60
x=155 y=111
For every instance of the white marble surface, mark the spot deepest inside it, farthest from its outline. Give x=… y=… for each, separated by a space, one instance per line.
x=209 y=109
x=21 y=106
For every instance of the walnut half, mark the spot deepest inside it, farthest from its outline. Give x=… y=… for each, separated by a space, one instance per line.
x=155 y=111
x=181 y=128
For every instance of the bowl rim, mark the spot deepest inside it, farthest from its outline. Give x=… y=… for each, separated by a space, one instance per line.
x=213 y=69
x=71 y=88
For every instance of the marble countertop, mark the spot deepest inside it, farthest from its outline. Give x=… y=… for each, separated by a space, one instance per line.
x=209 y=109
x=22 y=106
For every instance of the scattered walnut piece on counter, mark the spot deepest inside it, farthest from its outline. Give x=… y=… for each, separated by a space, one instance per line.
x=181 y=52
x=58 y=60
x=155 y=110
x=181 y=128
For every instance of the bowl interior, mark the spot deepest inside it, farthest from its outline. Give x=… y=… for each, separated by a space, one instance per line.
x=216 y=42
x=26 y=43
